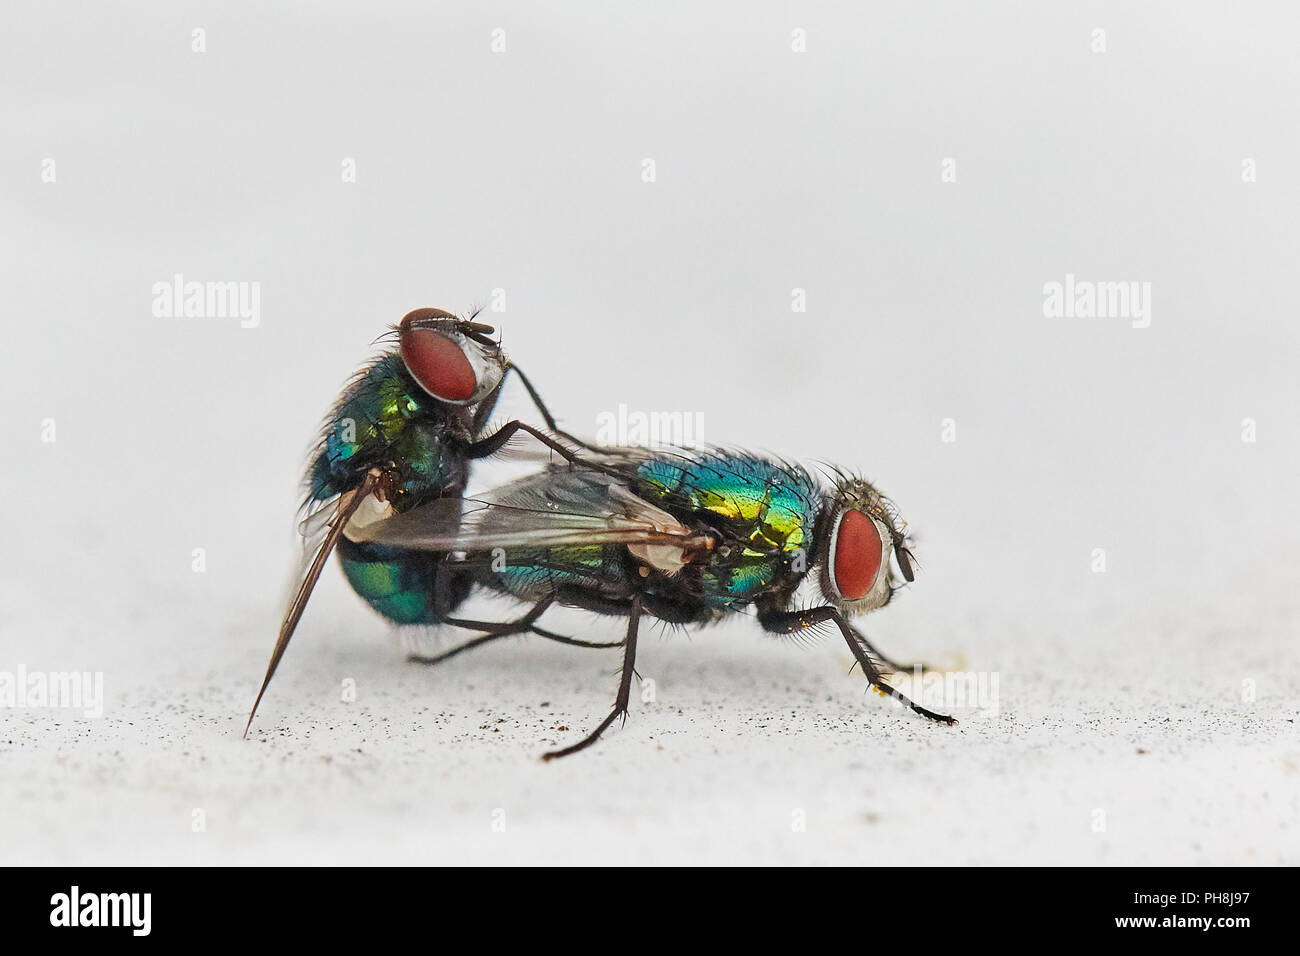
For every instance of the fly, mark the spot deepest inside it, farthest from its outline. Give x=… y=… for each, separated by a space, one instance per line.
x=686 y=537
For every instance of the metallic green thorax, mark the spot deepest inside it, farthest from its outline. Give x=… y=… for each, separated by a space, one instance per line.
x=383 y=416
x=767 y=508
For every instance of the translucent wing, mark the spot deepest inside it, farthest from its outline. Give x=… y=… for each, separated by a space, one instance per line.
x=316 y=524
x=555 y=508
x=321 y=531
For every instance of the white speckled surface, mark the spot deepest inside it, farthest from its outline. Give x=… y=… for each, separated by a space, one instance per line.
x=1126 y=731
x=747 y=739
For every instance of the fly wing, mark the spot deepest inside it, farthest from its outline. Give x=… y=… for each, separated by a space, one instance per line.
x=316 y=525
x=321 y=531
x=556 y=508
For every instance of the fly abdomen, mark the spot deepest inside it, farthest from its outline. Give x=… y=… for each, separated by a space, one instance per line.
x=534 y=573
x=398 y=583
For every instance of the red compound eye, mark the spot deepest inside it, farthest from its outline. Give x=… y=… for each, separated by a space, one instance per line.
x=438 y=364
x=856 y=561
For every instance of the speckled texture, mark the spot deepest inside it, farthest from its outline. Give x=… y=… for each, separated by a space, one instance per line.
x=748 y=737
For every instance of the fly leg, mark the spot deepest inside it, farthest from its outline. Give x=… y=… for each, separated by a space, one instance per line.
x=493 y=630
x=786 y=622
x=378 y=481
x=624 y=687
x=497 y=440
x=487 y=638
x=547 y=417
x=445 y=601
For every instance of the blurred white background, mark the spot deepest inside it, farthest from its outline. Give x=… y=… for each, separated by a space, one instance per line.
x=775 y=170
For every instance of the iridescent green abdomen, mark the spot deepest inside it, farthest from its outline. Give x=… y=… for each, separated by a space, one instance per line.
x=530 y=573
x=399 y=583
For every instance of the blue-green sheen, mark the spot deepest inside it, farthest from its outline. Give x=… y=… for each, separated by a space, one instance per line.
x=394 y=581
x=384 y=416
x=770 y=506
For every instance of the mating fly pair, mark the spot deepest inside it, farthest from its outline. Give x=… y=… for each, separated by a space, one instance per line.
x=686 y=536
